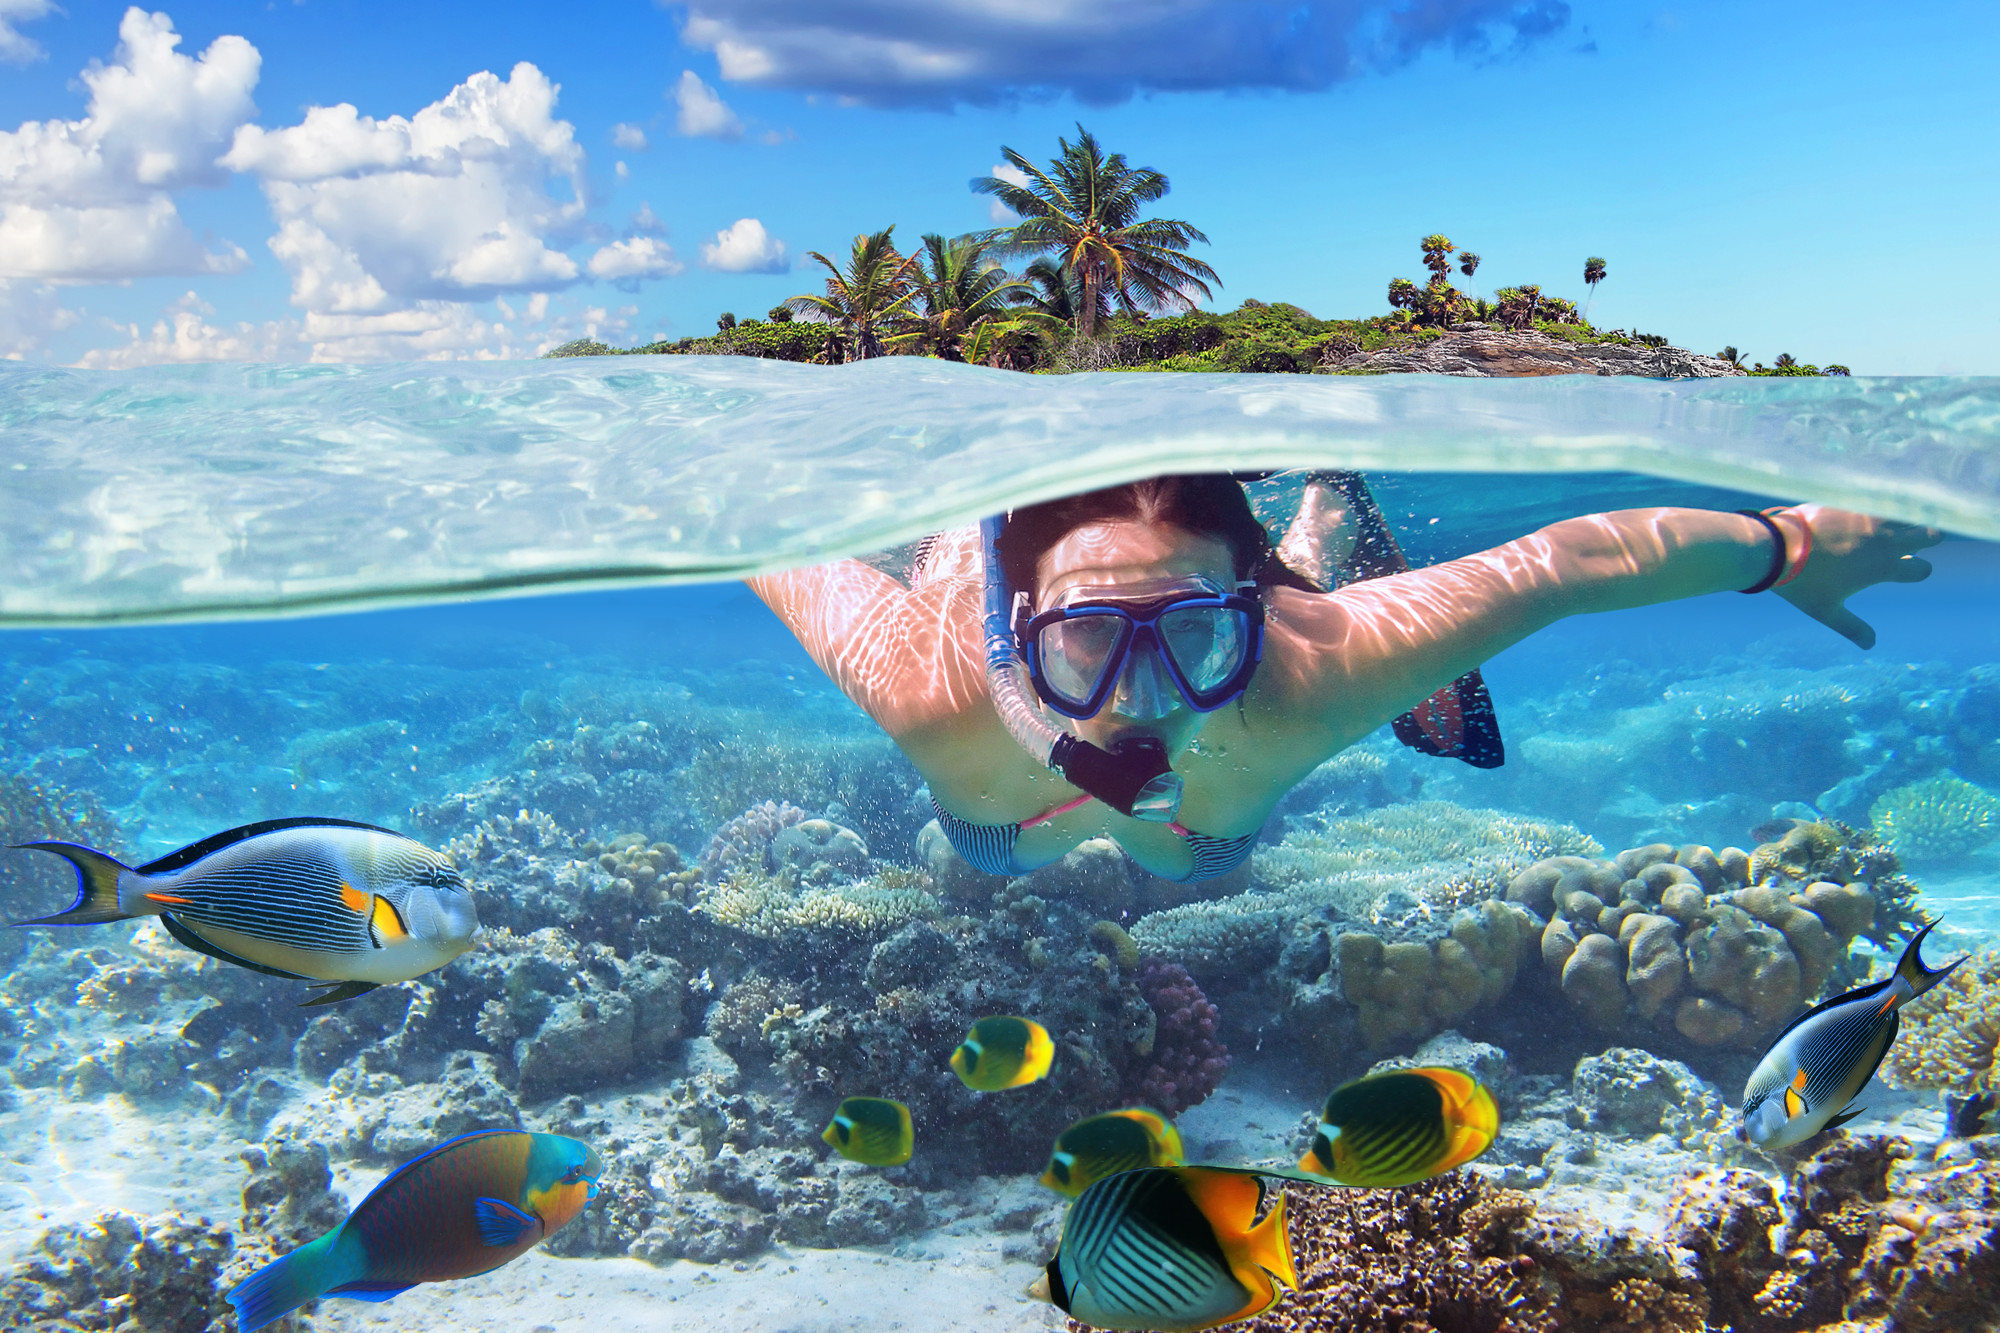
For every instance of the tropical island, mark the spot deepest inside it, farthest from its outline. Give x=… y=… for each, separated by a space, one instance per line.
x=1105 y=287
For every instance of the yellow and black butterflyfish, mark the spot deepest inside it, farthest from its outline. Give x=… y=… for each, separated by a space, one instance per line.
x=1402 y=1126
x=1003 y=1053
x=1103 y=1145
x=875 y=1131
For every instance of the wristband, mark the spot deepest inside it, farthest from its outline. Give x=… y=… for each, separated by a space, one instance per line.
x=1779 y=556
x=1805 y=552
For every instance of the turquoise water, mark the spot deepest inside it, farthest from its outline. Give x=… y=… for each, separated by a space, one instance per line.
x=174 y=538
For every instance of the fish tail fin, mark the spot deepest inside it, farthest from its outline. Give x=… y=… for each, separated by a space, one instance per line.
x=1910 y=967
x=1270 y=1246
x=286 y=1283
x=96 y=886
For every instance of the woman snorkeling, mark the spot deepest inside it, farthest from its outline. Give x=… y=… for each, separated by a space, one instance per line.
x=1143 y=663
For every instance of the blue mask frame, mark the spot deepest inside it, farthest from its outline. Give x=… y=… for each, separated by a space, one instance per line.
x=1140 y=626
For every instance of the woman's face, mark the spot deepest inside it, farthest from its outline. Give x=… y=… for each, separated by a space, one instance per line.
x=1126 y=553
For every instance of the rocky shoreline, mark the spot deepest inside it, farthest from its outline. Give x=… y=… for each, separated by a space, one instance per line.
x=1478 y=351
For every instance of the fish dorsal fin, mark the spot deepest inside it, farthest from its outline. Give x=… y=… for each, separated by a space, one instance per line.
x=1872 y=989
x=193 y=941
x=1228 y=1199
x=194 y=851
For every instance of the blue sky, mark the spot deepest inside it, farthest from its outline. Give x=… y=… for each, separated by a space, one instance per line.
x=365 y=181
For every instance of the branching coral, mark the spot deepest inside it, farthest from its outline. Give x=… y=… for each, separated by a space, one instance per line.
x=771 y=907
x=1938 y=819
x=1951 y=1035
x=1432 y=1258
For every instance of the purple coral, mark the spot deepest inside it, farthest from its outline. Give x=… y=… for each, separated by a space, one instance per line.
x=1187 y=1059
x=745 y=841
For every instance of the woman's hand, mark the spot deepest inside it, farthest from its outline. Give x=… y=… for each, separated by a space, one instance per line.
x=1849 y=552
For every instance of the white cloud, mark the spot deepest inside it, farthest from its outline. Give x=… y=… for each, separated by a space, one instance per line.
x=15 y=47
x=646 y=222
x=627 y=261
x=939 y=52
x=90 y=200
x=700 y=113
x=185 y=336
x=1012 y=174
x=745 y=247
x=386 y=217
x=629 y=137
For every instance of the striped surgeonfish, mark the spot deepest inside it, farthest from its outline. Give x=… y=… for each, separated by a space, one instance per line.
x=464 y=1208
x=1170 y=1249
x=348 y=905
x=1401 y=1126
x=1823 y=1060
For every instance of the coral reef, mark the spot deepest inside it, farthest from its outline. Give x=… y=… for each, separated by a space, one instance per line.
x=32 y=885
x=772 y=907
x=1936 y=820
x=745 y=841
x=1721 y=947
x=122 y=1274
x=1637 y=1094
x=1872 y=1238
x=1185 y=1062
x=1950 y=1038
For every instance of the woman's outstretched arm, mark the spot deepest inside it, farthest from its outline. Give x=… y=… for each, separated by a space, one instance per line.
x=1346 y=663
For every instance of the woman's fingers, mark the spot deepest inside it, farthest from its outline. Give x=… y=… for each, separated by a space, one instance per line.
x=1846 y=624
x=1910 y=569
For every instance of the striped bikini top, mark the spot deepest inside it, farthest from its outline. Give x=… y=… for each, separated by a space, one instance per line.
x=990 y=847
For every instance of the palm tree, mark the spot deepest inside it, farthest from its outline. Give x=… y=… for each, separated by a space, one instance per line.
x=1784 y=361
x=1437 y=257
x=1468 y=263
x=873 y=292
x=1593 y=273
x=1085 y=210
x=1732 y=356
x=957 y=288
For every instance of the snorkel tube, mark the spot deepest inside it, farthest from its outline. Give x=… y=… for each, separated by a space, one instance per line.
x=1134 y=778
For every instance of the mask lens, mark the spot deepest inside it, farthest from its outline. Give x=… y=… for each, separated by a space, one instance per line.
x=1207 y=644
x=1075 y=654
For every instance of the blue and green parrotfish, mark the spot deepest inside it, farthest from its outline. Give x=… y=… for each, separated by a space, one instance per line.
x=464 y=1208
x=1827 y=1055
x=346 y=905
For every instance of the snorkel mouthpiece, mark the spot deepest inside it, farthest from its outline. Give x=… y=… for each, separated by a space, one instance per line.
x=1134 y=777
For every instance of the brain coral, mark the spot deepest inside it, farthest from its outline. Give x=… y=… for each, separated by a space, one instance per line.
x=1936 y=820
x=1720 y=946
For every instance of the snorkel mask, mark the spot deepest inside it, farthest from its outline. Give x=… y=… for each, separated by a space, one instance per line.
x=1206 y=640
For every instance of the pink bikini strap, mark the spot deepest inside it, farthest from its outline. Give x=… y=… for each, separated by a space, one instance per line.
x=1068 y=806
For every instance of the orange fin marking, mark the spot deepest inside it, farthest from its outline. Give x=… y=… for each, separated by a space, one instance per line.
x=1799 y=1081
x=170 y=899
x=353 y=899
x=1887 y=1004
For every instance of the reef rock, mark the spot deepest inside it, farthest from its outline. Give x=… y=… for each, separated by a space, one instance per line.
x=122 y=1274
x=1477 y=351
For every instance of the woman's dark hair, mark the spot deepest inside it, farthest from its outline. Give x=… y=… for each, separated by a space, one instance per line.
x=1211 y=504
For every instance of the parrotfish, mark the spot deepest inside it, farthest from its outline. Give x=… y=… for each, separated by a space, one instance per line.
x=464 y=1208
x=1104 y=1145
x=1402 y=1126
x=872 y=1130
x=1003 y=1053
x=1170 y=1249
x=1825 y=1057
x=343 y=905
